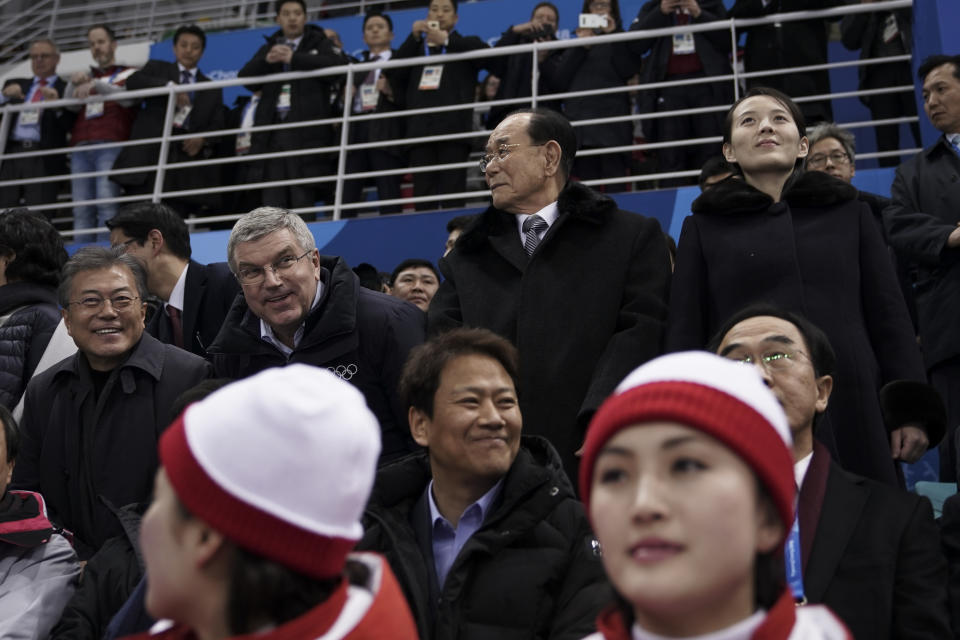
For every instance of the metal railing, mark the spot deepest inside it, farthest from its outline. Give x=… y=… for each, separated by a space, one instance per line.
x=346 y=119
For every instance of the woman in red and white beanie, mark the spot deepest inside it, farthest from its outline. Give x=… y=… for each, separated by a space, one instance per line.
x=255 y=513
x=688 y=481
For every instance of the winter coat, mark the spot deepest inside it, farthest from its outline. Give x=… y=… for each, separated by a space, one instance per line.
x=584 y=310
x=25 y=334
x=360 y=335
x=532 y=570
x=76 y=447
x=819 y=253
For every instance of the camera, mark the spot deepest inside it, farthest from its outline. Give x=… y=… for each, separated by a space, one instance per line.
x=592 y=21
x=545 y=32
x=433 y=24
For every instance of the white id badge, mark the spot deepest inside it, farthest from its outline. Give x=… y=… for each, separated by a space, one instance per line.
x=683 y=44
x=30 y=117
x=430 y=78
x=890 y=30
x=369 y=96
x=283 y=102
x=94 y=110
x=244 y=141
x=180 y=116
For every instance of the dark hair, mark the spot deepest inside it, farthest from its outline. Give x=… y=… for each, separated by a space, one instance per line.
x=374 y=13
x=460 y=222
x=280 y=4
x=552 y=6
x=614 y=11
x=546 y=125
x=11 y=433
x=453 y=2
x=95 y=259
x=137 y=220
x=421 y=373
x=932 y=62
x=110 y=33
x=369 y=276
x=821 y=354
x=192 y=29
x=196 y=393
x=411 y=263
x=715 y=166
x=36 y=247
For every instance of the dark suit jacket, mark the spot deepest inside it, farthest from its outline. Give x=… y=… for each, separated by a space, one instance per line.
x=925 y=193
x=864 y=31
x=599 y=272
x=377 y=130
x=207 y=114
x=55 y=124
x=208 y=293
x=873 y=555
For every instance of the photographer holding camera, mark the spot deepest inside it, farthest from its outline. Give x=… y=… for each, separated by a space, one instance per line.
x=592 y=67
x=515 y=71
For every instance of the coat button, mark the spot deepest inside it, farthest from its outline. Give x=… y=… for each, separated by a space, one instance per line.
x=554 y=491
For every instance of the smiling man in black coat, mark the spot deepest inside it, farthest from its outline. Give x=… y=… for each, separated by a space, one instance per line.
x=581 y=293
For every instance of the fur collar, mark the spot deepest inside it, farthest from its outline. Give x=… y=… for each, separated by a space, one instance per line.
x=576 y=200
x=808 y=189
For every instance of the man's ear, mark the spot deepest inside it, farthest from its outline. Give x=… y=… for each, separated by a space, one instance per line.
x=155 y=241
x=824 y=389
x=553 y=155
x=419 y=426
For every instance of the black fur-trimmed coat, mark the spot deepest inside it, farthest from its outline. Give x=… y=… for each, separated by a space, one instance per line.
x=818 y=252
x=584 y=310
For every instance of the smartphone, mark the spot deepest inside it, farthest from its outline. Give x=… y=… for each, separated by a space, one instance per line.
x=592 y=21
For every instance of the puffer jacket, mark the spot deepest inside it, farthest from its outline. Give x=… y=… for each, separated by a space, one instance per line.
x=531 y=571
x=24 y=335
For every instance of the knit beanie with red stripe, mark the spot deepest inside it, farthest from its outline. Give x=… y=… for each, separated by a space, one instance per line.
x=281 y=463
x=719 y=397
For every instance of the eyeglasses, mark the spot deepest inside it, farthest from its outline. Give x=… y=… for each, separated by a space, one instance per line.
x=771 y=360
x=42 y=56
x=119 y=302
x=256 y=275
x=123 y=245
x=502 y=152
x=820 y=160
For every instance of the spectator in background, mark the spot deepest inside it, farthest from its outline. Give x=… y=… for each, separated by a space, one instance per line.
x=239 y=543
x=242 y=115
x=196 y=112
x=299 y=306
x=683 y=56
x=482 y=529
x=373 y=94
x=98 y=122
x=437 y=85
x=455 y=227
x=296 y=46
x=34 y=129
x=91 y=422
x=370 y=278
x=416 y=281
x=599 y=66
x=516 y=71
x=334 y=38
x=31 y=256
x=38 y=568
x=518 y=271
x=879 y=34
x=789 y=44
x=196 y=297
x=922 y=227
x=714 y=170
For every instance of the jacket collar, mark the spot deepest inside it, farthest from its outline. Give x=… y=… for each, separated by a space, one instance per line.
x=576 y=201
x=148 y=356
x=17 y=294
x=808 y=189
x=942 y=145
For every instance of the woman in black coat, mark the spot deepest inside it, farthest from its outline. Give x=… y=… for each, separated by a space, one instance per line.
x=804 y=242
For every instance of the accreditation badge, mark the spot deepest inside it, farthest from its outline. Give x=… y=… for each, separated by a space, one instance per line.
x=683 y=44
x=93 y=110
x=430 y=78
x=30 y=117
x=181 y=114
x=890 y=30
x=369 y=97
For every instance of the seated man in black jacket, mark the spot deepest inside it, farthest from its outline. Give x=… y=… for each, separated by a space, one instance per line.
x=482 y=530
x=300 y=306
x=868 y=551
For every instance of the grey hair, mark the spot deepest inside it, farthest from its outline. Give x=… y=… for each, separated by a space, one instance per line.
x=95 y=259
x=832 y=130
x=265 y=220
x=48 y=41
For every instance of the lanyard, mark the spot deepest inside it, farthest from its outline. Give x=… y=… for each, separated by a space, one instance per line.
x=793 y=559
x=426 y=48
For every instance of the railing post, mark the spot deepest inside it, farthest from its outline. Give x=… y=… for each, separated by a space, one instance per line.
x=164 y=145
x=153 y=9
x=5 y=121
x=733 y=60
x=534 y=75
x=53 y=18
x=344 y=140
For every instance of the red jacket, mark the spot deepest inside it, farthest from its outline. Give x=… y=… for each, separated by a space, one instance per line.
x=372 y=611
